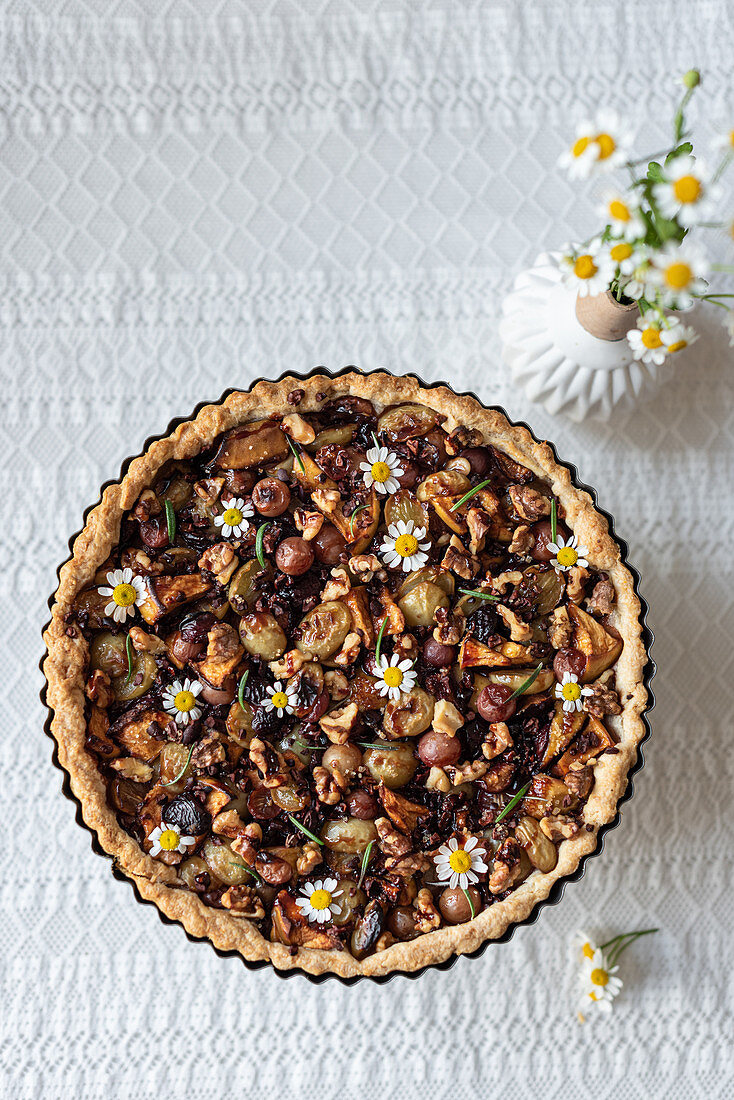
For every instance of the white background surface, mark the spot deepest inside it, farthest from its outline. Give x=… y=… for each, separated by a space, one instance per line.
x=187 y=203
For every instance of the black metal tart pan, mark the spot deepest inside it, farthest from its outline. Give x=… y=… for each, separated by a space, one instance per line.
x=558 y=887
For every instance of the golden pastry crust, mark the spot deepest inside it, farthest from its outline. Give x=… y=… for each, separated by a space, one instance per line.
x=65 y=669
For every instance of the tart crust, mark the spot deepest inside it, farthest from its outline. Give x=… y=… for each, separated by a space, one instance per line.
x=65 y=666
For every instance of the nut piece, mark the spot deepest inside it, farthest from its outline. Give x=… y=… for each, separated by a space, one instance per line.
x=497 y=740
x=519 y=631
x=338 y=586
x=130 y=768
x=349 y=651
x=458 y=560
x=146 y=643
x=450 y=627
x=522 y=540
x=529 y=504
x=479 y=523
x=466 y=773
x=603 y=701
x=209 y=489
x=339 y=724
x=602 y=599
x=98 y=689
x=559 y=827
x=269 y=763
x=326 y=499
x=506 y=580
x=438 y=781
x=220 y=560
x=147 y=505
x=308 y=523
x=391 y=842
x=560 y=629
x=208 y=751
x=446 y=718
x=427 y=916
x=242 y=901
x=365 y=566
x=509 y=866
x=576 y=578
x=327 y=787
x=309 y=858
x=298 y=428
x=223 y=654
x=579 y=780
x=289 y=664
x=336 y=684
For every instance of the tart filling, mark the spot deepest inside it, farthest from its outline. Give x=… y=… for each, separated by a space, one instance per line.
x=351 y=674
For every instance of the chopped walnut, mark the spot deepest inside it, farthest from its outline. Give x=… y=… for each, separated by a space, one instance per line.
x=308 y=523
x=603 y=701
x=576 y=578
x=349 y=651
x=208 y=751
x=269 y=763
x=336 y=684
x=462 y=439
x=449 y=628
x=458 y=560
x=529 y=504
x=603 y=597
x=519 y=631
x=130 y=768
x=338 y=585
x=523 y=540
x=391 y=842
x=146 y=643
x=365 y=566
x=438 y=781
x=479 y=523
x=560 y=629
x=147 y=505
x=246 y=843
x=229 y=824
x=446 y=718
x=326 y=499
x=327 y=787
x=508 y=866
x=309 y=858
x=139 y=562
x=395 y=617
x=384 y=941
x=427 y=916
x=497 y=741
x=407 y=647
x=338 y=724
x=220 y=560
x=506 y=580
x=242 y=901
x=209 y=488
x=298 y=428
x=466 y=773
x=99 y=689
x=288 y=665
x=559 y=827
x=579 y=781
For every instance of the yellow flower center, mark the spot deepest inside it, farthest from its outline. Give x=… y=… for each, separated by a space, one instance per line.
x=279 y=699
x=168 y=840
x=124 y=595
x=587 y=950
x=320 y=899
x=406 y=545
x=232 y=517
x=460 y=861
x=678 y=275
x=393 y=677
x=620 y=252
x=580 y=146
x=571 y=692
x=585 y=268
x=606 y=144
x=599 y=976
x=677 y=346
x=731 y=138
x=567 y=556
x=687 y=189
x=619 y=210
x=184 y=701
x=651 y=338
x=380 y=472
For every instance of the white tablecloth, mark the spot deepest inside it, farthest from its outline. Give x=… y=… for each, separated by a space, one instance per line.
x=187 y=202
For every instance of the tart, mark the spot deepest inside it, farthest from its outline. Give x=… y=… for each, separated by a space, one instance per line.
x=346 y=673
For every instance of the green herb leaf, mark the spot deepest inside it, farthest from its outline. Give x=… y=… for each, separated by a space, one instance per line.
x=241 y=688
x=478 y=595
x=353 y=516
x=170 y=522
x=512 y=803
x=655 y=172
x=130 y=665
x=682 y=150
x=296 y=454
x=389 y=745
x=249 y=870
x=554 y=520
x=183 y=769
x=375 y=439
x=467 y=895
x=527 y=683
x=259 y=552
x=306 y=832
x=471 y=493
x=378 y=644
x=365 y=863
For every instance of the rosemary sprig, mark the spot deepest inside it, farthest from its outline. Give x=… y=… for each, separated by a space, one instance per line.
x=170 y=522
x=390 y=746
x=478 y=595
x=241 y=688
x=378 y=644
x=129 y=653
x=365 y=863
x=527 y=683
x=377 y=443
x=360 y=508
x=259 y=553
x=466 y=496
x=182 y=773
x=512 y=803
x=467 y=895
x=554 y=520
x=249 y=870
x=306 y=832
x=296 y=454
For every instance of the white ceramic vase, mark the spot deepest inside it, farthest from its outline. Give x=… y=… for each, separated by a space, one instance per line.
x=570 y=354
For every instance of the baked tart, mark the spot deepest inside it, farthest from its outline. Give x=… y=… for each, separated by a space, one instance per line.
x=346 y=673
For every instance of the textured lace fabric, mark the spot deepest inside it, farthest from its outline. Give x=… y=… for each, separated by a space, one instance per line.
x=188 y=202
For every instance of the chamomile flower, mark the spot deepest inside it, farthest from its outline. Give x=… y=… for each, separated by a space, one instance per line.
x=600 y=144
x=678 y=337
x=623 y=215
x=317 y=902
x=280 y=699
x=167 y=838
x=724 y=142
x=382 y=469
x=402 y=547
x=598 y=981
x=126 y=592
x=588 y=272
x=234 y=518
x=679 y=272
x=625 y=257
x=395 y=676
x=570 y=691
x=180 y=701
x=646 y=341
x=686 y=193
x=460 y=866
x=568 y=553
